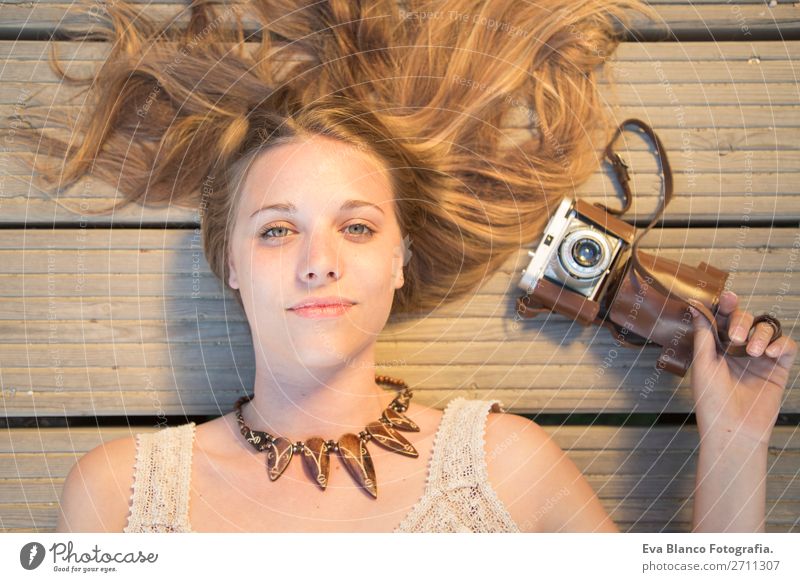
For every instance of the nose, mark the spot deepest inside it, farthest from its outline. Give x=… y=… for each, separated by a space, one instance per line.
x=321 y=259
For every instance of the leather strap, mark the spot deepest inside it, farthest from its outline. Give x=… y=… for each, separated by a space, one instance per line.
x=721 y=337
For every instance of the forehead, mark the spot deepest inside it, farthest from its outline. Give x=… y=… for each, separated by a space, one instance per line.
x=315 y=172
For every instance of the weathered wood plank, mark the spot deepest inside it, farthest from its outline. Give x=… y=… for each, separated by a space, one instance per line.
x=727 y=114
x=130 y=338
x=635 y=52
x=644 y=477
x=744 y=18
x=544 y=389
x=630 y=384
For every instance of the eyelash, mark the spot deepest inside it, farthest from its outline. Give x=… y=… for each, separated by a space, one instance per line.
x=266 y=229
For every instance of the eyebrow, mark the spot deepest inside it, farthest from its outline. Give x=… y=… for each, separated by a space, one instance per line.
x=290 y=208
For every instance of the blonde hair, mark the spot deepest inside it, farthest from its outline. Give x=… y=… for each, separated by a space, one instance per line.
x=178 y=115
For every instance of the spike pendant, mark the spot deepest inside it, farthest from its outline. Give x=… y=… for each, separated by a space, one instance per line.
x=351 y=448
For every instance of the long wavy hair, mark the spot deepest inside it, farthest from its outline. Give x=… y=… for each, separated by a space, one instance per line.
x=177 y=114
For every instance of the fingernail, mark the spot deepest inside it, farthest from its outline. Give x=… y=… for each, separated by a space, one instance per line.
x=738 y=334
x=772 y=351
x=729 y=293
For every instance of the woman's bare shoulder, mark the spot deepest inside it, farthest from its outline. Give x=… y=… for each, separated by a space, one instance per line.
x=96 y=492
x=543 y=490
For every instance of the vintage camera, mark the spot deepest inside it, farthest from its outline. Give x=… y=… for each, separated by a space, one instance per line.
x=582 y=269
x=575 y=252
x=588 y=267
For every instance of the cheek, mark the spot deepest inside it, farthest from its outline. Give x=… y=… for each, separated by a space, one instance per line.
x=373 y=272
x=260 y=277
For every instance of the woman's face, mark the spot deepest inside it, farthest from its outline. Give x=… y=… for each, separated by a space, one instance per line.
x=334 y=234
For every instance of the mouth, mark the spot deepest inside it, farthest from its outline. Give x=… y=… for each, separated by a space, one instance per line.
x=322 y=311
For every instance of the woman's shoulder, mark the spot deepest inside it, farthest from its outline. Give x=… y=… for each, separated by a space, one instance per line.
x=542 y=488
x=96 y=491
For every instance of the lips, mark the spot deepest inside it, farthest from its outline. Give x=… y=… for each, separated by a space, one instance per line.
x=322 y=311
x=323 y=302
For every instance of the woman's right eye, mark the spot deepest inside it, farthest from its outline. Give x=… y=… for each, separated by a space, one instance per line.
x=264 y=232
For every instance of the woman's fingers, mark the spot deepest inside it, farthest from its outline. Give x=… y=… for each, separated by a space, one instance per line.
x=739 y=322
x=739 y=326
x=760 y=338
x=783 y=349
x=728 y=300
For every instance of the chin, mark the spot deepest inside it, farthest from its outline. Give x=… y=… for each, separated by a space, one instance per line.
x=320 y=356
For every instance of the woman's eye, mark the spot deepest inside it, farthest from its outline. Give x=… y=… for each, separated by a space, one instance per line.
x=369 y=231
x=265 y=233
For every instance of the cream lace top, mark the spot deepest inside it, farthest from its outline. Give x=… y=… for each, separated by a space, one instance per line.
x=457 y=498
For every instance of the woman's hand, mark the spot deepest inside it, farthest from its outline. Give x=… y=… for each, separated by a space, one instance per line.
x=739 y=397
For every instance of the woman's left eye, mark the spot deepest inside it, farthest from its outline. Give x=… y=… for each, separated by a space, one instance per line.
x=369 y=232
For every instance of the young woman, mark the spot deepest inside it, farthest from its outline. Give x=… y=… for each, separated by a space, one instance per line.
x=369 y=179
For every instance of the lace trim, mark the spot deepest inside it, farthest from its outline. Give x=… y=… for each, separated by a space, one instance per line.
x=433 y=465
x=479 y=460
x=160 y=498
x=459 y=496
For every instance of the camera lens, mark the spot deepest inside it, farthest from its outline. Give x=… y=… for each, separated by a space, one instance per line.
x=586 y=252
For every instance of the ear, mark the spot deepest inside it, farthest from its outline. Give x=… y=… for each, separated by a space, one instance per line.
x=397 y=272
x=398 y=261
x=233 y=279
x=399 y=280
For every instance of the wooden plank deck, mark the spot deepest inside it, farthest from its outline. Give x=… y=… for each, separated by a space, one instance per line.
x=119 y=316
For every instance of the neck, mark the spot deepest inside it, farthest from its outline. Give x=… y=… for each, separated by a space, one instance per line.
x=301 y=402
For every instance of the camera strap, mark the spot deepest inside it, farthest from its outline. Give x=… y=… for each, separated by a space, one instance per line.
x=621 y=170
